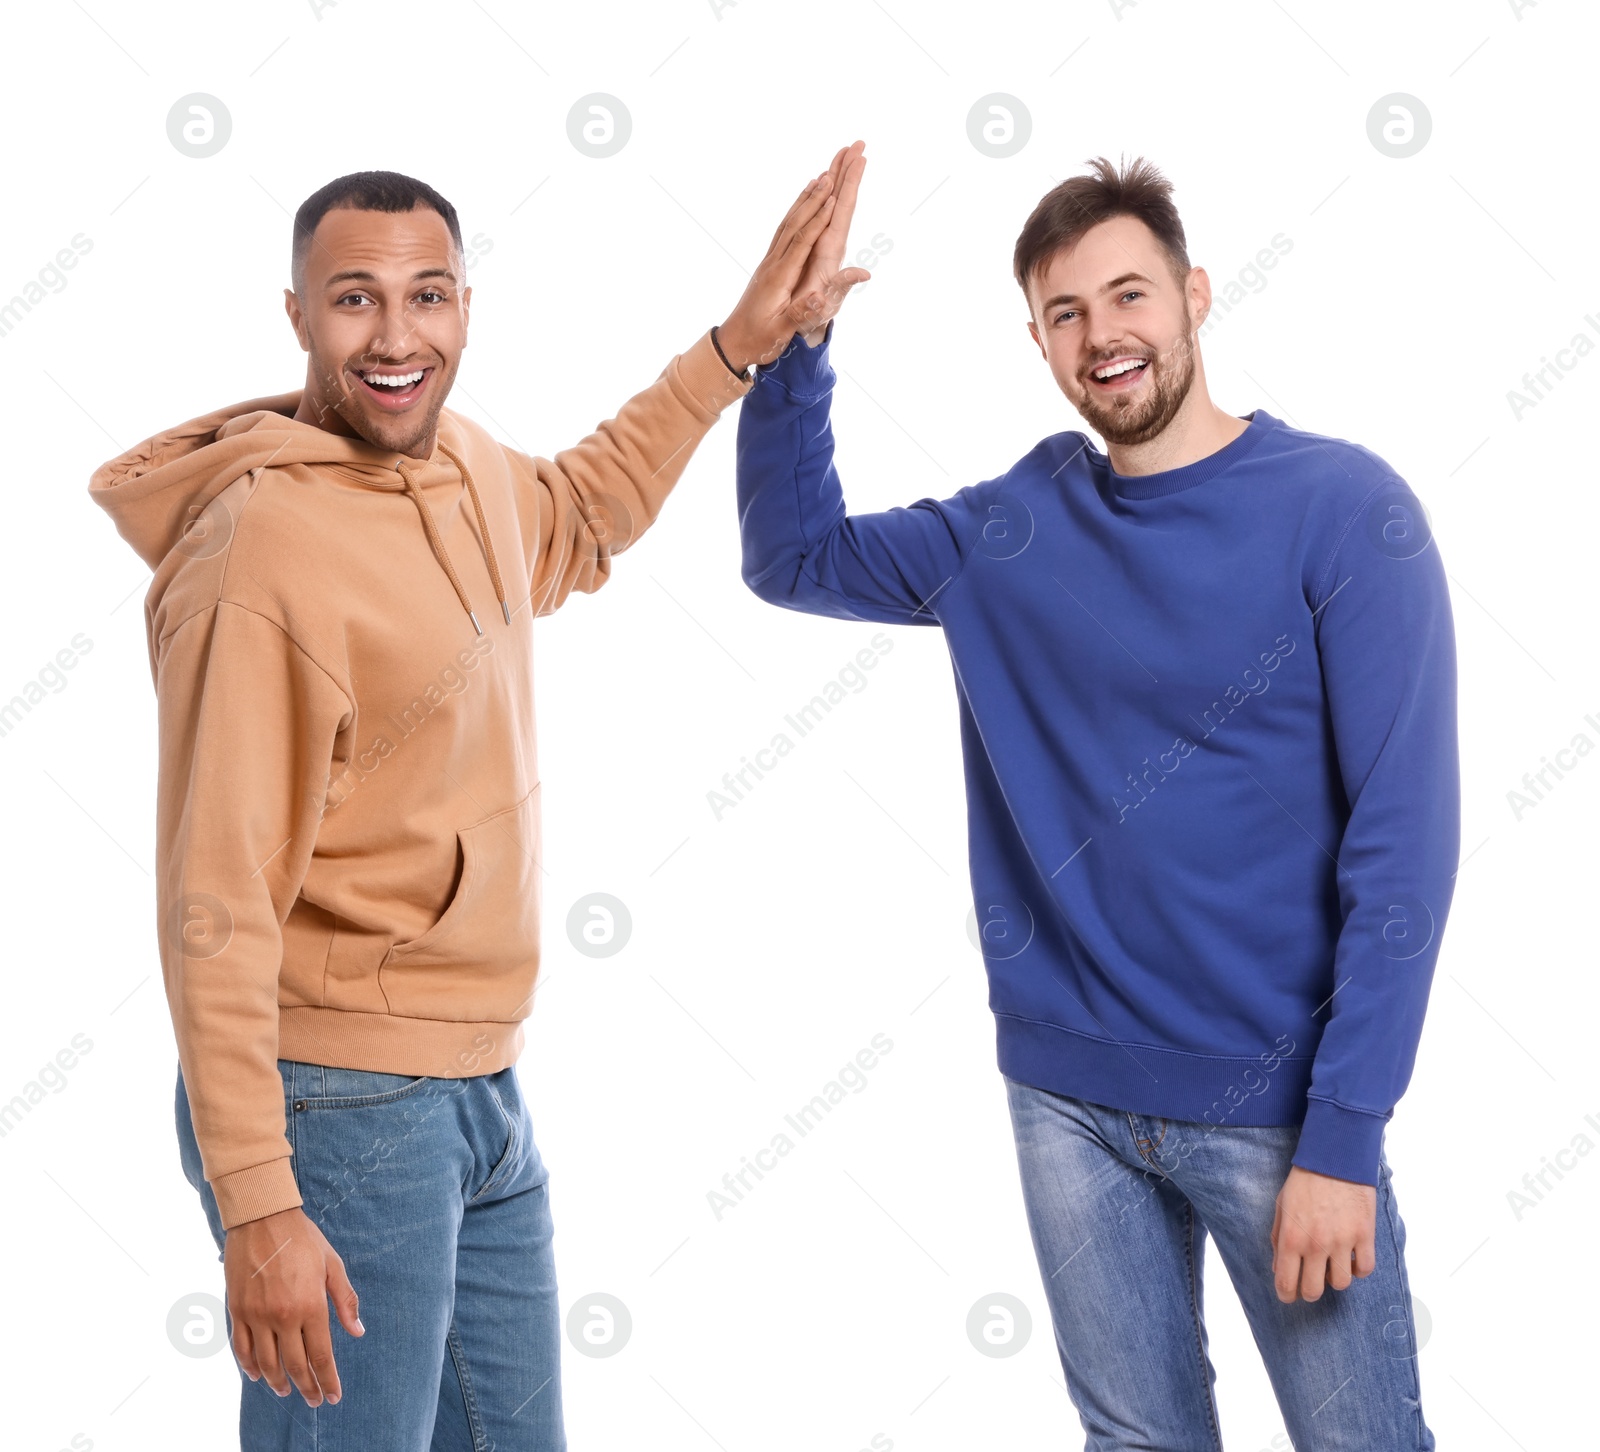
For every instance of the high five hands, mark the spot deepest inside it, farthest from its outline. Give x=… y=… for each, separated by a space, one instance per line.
x=800 y=283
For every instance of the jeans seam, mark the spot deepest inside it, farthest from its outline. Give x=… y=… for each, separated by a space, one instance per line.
x=1386 y=1194
x=458 y=1355
x=1142 y=1145
x=1194 y=1303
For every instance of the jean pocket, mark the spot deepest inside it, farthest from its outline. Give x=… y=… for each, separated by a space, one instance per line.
x=323 y=1086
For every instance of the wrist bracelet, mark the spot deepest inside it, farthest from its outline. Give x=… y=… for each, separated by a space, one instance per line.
x=742 y=377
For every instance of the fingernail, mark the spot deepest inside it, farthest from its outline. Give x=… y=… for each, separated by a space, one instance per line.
x=359 y=1327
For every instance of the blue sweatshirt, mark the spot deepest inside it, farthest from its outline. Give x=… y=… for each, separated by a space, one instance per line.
x=1208 y=720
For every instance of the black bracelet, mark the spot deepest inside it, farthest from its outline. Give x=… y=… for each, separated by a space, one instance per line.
x=742 y=377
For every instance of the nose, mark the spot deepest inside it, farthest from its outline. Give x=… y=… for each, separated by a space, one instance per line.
x=391 y=336
x=1102 y=335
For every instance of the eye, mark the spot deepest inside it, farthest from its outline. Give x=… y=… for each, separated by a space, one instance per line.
x=433 y=292
x=1134 y=293
x=1069 y=313
x=348 y=296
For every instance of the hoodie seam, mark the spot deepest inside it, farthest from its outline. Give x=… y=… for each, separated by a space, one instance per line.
x=276 y=625
x=258 y=472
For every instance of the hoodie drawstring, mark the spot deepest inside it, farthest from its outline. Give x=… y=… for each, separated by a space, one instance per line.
x=438 y=544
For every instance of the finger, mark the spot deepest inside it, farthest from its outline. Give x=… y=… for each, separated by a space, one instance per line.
x=292 y=1346
x=1286 y=1275
x=812 y=309
x=849 y=186
x=836 y=167
x=809 y=311
x=346 y=1304
x=783 y=221
x=811 y=208
x=831 y=245
x=270 y=1361
x=840 y=283
x=319 y=1356
x=800 y=244
x=799 y=259
x=1366 y=1255
x=244 y=1350
x=790 y=217
x=1313 y=1276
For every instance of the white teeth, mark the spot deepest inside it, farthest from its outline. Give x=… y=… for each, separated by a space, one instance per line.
x=1118 y=368
x=395 y=380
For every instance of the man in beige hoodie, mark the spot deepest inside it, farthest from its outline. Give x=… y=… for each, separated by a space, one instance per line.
x=341 y=637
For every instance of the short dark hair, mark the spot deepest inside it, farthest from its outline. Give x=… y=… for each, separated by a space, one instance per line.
x=365 y=191
x=1069 y=210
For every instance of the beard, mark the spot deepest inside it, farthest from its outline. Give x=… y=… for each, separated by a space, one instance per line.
x=1124 y=419
x=360 y=419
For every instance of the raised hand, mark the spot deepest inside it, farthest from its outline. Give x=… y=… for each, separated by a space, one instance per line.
x=826 y=283
x=795 y=288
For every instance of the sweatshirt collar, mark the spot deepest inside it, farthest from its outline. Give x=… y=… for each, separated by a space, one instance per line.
x=1187 y=476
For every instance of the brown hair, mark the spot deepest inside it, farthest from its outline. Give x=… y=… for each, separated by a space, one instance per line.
x=1069 y=210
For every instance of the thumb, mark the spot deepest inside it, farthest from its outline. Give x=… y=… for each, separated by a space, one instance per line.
x=346 y=1304
x=817 y=306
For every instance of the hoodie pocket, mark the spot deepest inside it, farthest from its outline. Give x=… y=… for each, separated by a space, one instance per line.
x=478 y=962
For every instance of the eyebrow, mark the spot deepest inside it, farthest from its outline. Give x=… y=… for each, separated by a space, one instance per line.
x=356 y=274
x=1116 y=282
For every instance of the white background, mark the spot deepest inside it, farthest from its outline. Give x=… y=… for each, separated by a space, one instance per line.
x=770 y=946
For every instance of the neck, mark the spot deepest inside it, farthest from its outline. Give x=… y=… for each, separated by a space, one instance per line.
x=1197 y=429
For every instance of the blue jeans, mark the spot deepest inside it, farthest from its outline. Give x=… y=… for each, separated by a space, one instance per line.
x=1119 y=1205
x=433 y=1193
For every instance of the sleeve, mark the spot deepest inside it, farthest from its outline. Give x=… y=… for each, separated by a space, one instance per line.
x=1386 y=643
x=800 y=549
x=596 y=498
x=247 y=729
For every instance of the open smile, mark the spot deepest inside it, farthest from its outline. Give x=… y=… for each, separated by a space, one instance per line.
x=1120 y=375
x=394 y=389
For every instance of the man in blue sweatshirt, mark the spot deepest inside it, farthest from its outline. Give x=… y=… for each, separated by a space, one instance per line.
x=1206 y=682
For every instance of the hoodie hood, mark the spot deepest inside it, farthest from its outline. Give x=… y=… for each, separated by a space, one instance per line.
x=158 y=489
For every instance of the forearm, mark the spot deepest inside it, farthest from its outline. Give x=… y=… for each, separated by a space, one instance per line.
x=789 y=496
x=801 y=549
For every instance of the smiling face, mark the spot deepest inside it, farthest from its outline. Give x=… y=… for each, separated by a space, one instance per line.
x=383 y=317
x=1117 y=329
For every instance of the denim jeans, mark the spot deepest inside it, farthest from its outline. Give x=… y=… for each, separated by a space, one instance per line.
x=1119 y=1205
x=434 y=1195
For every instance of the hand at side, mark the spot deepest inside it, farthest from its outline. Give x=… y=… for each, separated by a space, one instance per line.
x=280 y=1271
x=1323 y=1232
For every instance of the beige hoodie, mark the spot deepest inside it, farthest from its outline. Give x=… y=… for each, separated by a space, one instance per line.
x=347 y=820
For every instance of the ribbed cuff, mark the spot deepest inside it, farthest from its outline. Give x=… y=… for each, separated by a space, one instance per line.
x=252 y=1193
x=701 y=380
x=802 y=371
x=1344 y=1143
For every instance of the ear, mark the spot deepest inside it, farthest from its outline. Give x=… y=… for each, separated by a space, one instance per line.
x=1198 y=296
x=1033 y=329
x=297 y=321
x=466 y=313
